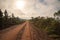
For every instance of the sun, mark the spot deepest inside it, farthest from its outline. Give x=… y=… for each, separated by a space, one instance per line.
x=20 y=4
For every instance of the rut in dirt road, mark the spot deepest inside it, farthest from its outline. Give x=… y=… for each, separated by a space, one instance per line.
x=26 y=31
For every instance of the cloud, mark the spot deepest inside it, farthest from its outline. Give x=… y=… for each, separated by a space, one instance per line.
x=43 y=7
x=33 y=8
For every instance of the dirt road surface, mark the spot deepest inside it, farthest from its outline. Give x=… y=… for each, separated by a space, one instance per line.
x=25 y=31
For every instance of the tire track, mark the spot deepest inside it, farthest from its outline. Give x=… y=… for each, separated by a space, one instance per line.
x=19 y=35
x=26 y=35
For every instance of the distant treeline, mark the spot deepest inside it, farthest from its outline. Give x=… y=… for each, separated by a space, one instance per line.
x=51 y=25
x=7 y=21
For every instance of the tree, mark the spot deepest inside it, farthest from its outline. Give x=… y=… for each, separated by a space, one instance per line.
x=1 y=19
x=1 y=14
x=6 y=15
x=57 y=14
x=13 y=15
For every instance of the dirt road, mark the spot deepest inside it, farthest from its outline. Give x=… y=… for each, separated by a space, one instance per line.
x=25 y=31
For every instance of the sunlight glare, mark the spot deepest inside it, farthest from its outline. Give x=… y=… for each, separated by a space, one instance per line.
x=20 y=4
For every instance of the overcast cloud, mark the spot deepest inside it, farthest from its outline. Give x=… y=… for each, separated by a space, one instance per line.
x=33 y=8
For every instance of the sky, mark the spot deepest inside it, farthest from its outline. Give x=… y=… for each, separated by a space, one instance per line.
x=32 y=8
